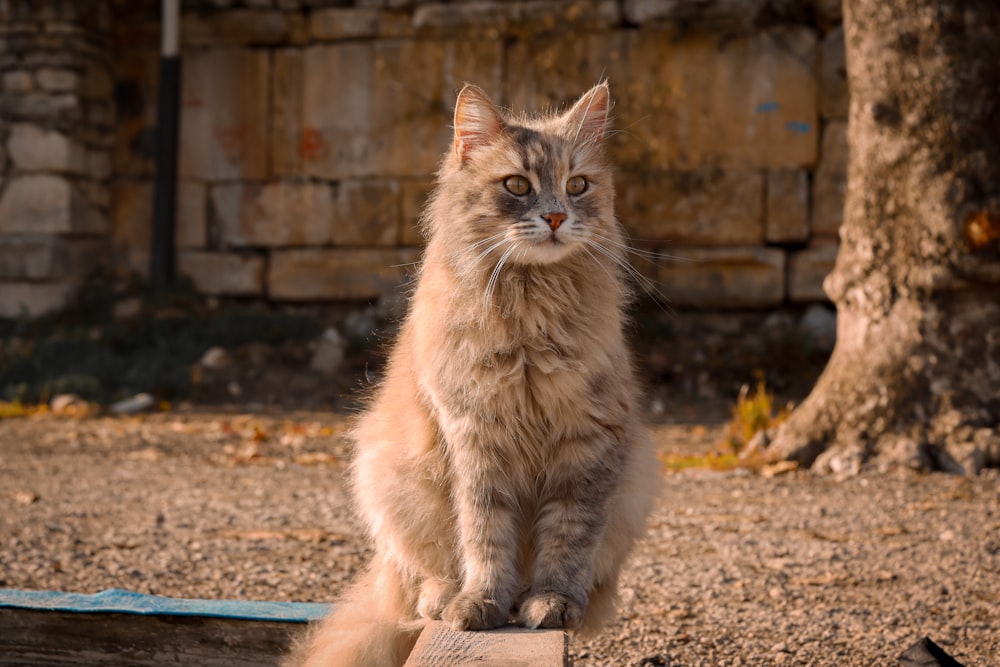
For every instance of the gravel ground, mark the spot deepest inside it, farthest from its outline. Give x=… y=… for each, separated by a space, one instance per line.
x=737 y=569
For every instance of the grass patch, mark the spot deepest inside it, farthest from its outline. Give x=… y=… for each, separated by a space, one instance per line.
x=754 y=412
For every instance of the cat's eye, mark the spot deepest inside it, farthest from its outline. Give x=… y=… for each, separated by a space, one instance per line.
x=576 y=185
x=517 y=185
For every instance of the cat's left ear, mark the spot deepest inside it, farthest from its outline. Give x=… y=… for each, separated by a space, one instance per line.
x=477 y=121
x=588 y=119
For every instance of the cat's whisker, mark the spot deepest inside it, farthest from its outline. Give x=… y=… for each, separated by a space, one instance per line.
x=647 y=285
x=491 y=285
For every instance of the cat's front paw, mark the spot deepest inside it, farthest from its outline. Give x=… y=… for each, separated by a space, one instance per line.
x=471 y=611
x=551 y=610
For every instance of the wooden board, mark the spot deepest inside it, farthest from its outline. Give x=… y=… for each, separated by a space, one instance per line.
x=123 y=628
x=440 y=646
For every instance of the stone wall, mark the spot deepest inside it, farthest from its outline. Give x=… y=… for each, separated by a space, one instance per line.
x=311 y=129
x=56 y=132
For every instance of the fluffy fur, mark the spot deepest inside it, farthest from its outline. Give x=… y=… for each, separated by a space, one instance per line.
x=502 y=470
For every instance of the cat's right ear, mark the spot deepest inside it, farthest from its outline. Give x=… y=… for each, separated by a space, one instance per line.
x=477 y=121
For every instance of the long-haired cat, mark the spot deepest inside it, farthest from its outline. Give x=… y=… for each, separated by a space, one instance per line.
x=502 y=470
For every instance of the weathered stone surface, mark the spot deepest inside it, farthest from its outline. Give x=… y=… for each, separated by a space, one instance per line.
x=224 y=114
x=807 y=268
x=707 y=207
x=833 y=94
x=43 y=106
x=34 y=148
x=740 y=15
x=18 y=81
x=368 y=213
x=274 y=214
x=290 y=143
x=57 y=80
x=389 y=113
x=44 y=203
x=718 y=101
x=132 y=220
x=339 y=23
x=725 y=277
x=136 y=73
x=235 y=27
x=192 y=230
x=30 y=299
x=222 y=273
x=787 y=206
x=830 y=181
x=521 y=19
x=349 y=274
x=413 y=197
x=46 y=257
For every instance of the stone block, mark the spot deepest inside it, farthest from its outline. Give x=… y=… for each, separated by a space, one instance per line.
x=718 y=100
x=748 y=277
x=833 y=94
x=47 y=204
x=18 y=81
x=413 y=198
x=224 y=113
x=521 y=19
x=235 y=27
x=787 y=206
x=830 y=181
x=46 y=257
x=57 y=80
x=368 y=213
x=290 y=145
x=274 y=214
x=333 y=24
x=389 y=112
x=707 y=207
x=192 y=230
x=34 y=148
x=223 y=273
x=131 y=222
x=339 y=274
x=31 y=299
x=807 y=268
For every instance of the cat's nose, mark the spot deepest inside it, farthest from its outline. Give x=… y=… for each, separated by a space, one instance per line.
x=554 y=219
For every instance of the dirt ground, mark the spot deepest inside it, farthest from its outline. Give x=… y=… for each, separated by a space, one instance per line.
x=737 y=568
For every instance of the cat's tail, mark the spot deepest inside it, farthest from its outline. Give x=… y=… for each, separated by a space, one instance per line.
x=371 y=626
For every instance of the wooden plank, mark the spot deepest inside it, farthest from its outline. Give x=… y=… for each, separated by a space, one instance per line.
x=440 y=646
x=122 y=628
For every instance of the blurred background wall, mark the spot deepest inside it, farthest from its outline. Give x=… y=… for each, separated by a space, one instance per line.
x=311 y=130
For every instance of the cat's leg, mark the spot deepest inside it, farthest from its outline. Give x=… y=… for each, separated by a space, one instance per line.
x=488 y=529
x=570 y=522
x=435 y=594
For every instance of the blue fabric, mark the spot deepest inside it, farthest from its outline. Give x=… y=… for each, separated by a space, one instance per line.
x=116 y=601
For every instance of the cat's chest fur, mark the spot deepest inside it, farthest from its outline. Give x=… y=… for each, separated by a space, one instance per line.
x=534 y=357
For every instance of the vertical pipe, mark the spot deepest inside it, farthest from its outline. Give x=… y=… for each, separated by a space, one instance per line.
x=162 y=257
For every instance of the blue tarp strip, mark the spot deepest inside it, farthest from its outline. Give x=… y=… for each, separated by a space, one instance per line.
x=116 y=601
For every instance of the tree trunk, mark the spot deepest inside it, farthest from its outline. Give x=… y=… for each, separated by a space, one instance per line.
x=915 y=375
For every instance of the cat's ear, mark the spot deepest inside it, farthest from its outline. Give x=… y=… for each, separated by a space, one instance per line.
x=587 y=121
x=477 y=121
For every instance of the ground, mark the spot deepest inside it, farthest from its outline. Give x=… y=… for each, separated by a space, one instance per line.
x=246 y=500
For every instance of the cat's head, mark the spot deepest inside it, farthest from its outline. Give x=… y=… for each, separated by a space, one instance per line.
x=533 y=190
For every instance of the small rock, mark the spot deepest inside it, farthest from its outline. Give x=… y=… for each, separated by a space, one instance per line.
x=819 y=326
x=63 y=403
x=216 y=358
x=136 y=404
x=328 y=356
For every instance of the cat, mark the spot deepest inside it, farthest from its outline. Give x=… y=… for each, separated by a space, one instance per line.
x=502 y=469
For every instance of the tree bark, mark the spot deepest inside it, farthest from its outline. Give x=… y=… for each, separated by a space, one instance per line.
x=914 y=378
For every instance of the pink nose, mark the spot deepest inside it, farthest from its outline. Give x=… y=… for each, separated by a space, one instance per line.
x=554 y=219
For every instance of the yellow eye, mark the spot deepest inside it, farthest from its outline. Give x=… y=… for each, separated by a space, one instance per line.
x=517 y=185
x=576 y=185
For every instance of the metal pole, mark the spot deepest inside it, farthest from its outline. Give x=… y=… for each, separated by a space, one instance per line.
x=162 y=258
